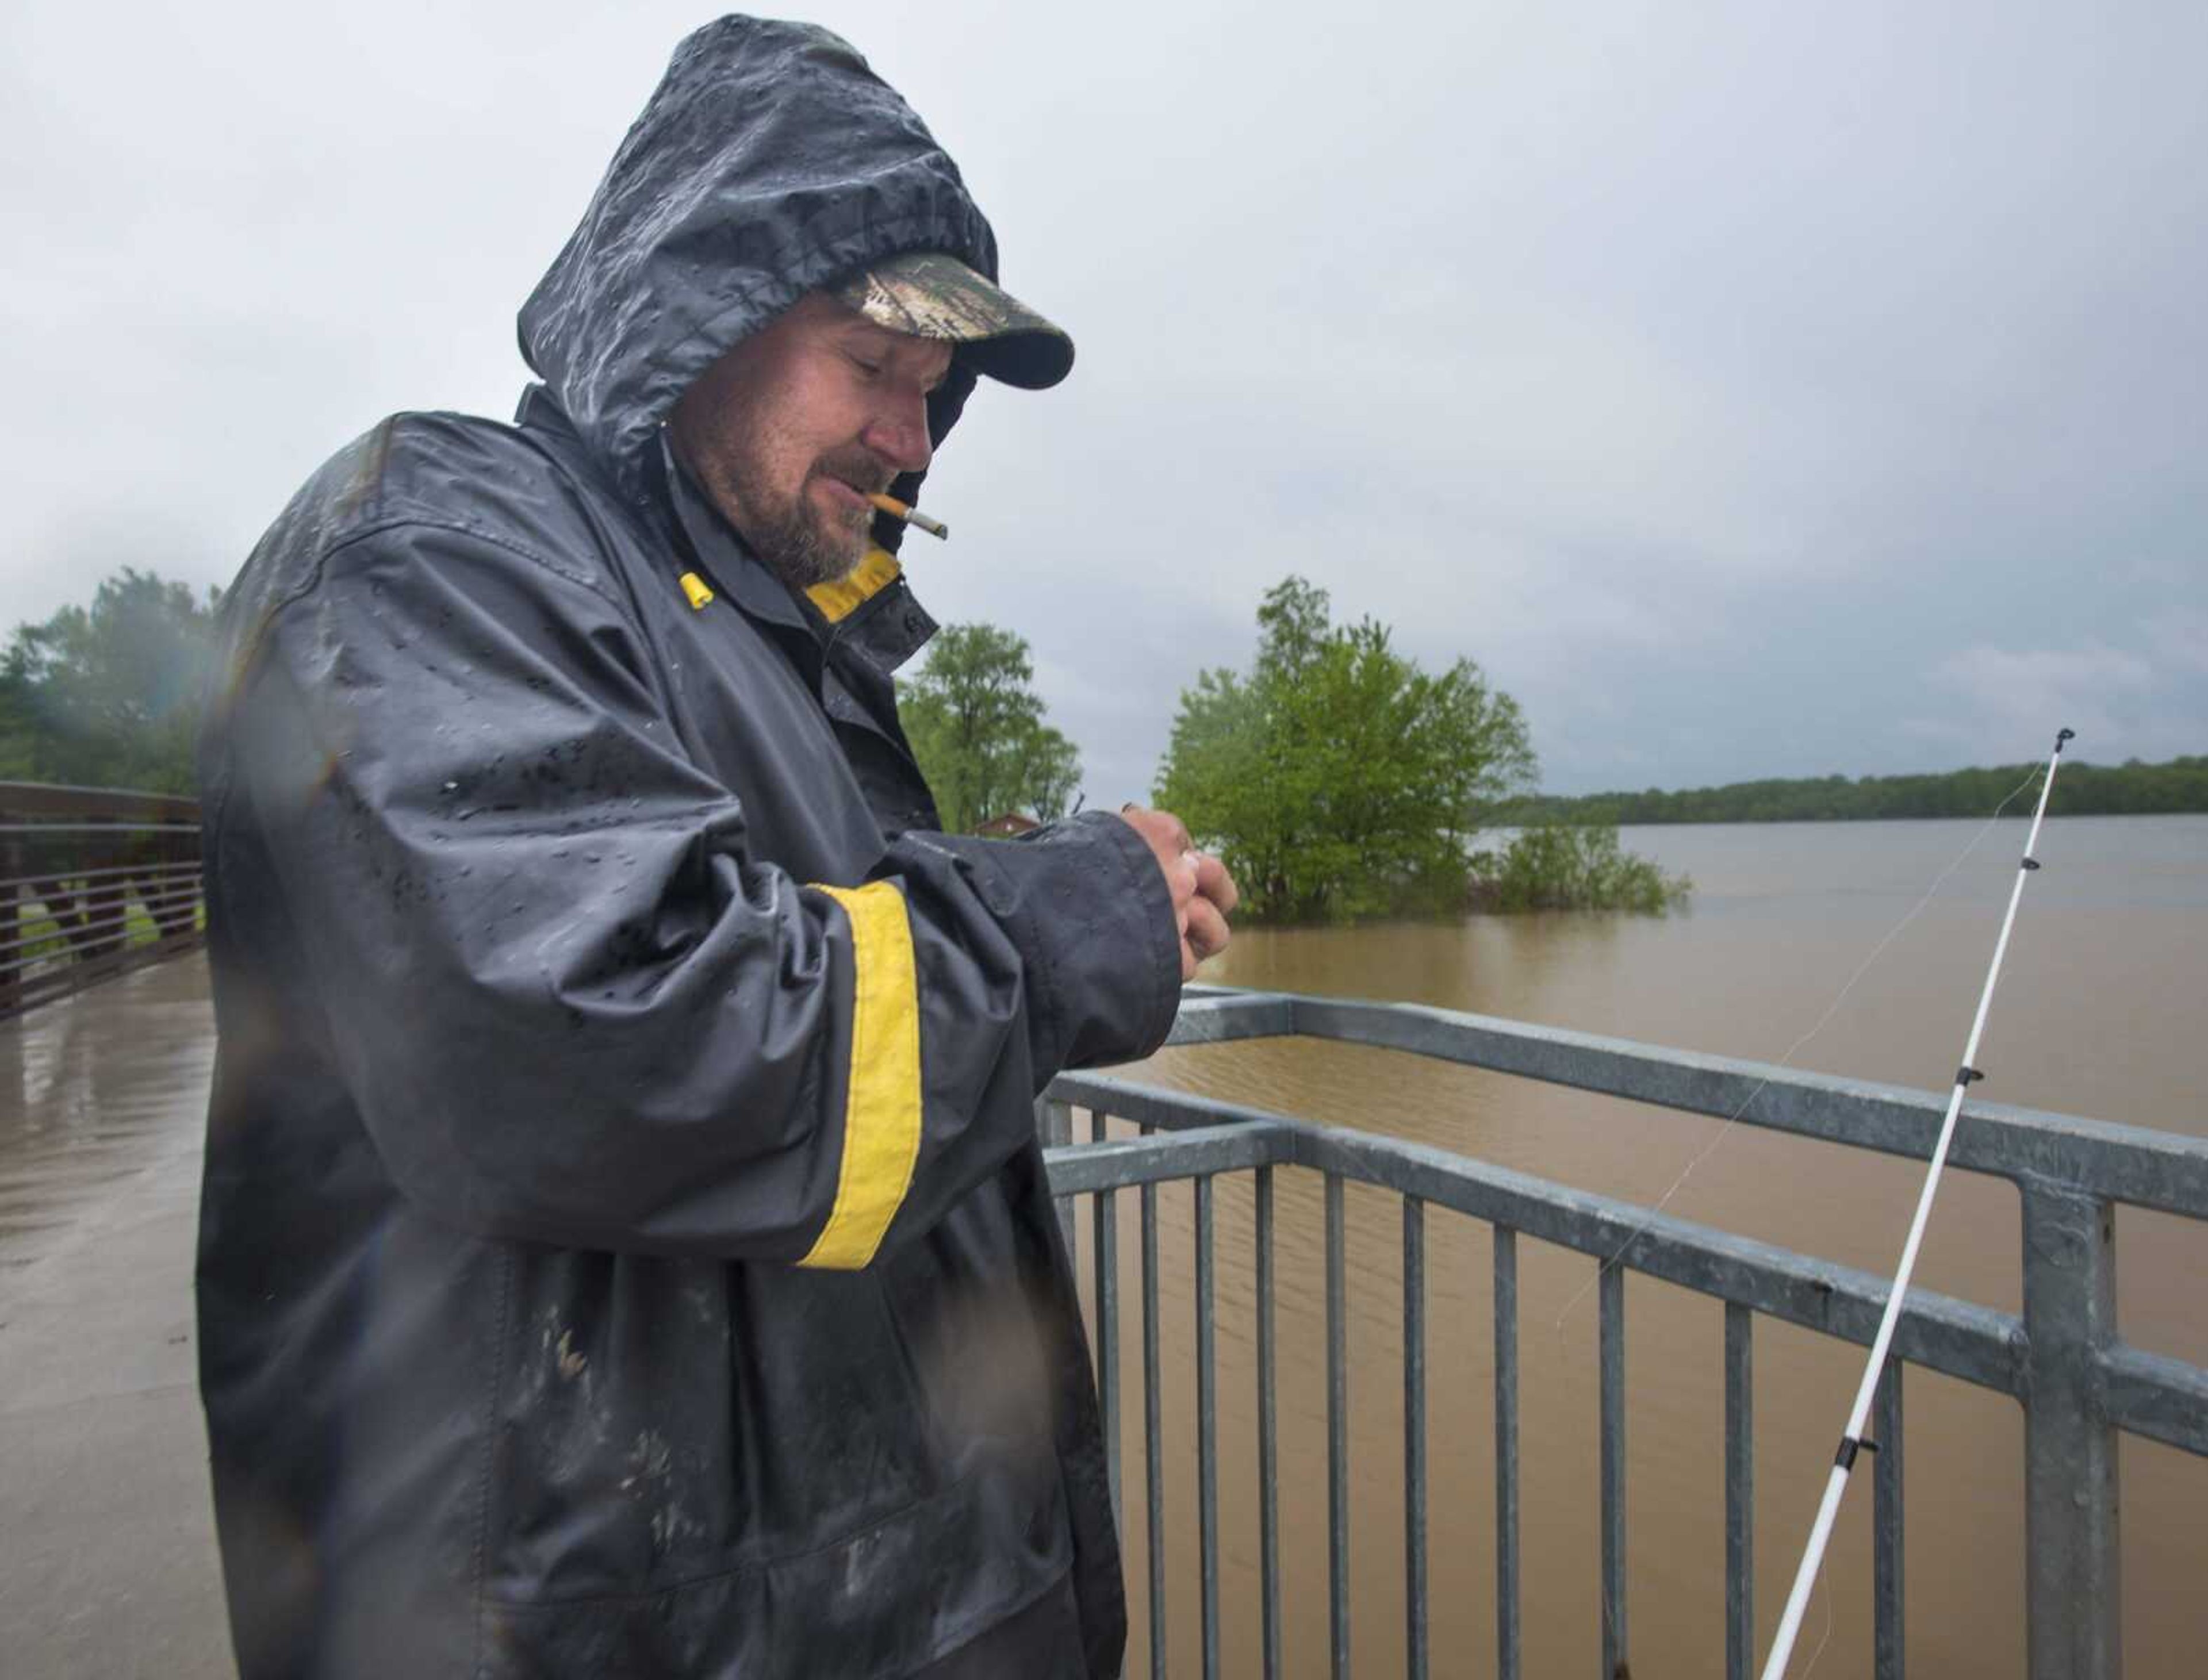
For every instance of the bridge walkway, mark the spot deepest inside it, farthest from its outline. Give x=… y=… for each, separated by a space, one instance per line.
x=108 y=1565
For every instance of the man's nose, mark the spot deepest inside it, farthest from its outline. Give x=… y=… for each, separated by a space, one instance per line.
x=897 y=432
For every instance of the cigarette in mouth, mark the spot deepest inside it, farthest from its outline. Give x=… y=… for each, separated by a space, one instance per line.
x=897 y=510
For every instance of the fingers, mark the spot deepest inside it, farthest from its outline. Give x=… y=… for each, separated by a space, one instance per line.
x=1156 y=834
x=1213 y=881
x=1207 y=934
x=1182 y=876
x=1166 y=832
x=1201 y=891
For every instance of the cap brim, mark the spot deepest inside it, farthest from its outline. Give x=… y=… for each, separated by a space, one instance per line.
x=933 y=295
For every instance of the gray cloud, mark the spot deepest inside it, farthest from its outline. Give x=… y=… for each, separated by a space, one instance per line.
x=2147 y=694
x=1750 y=390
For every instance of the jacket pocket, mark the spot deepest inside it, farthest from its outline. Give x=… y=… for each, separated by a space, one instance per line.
x=969 y=1322
x=661 y=1421
x=882 y=1602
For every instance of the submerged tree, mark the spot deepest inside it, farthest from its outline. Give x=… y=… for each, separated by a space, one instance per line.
x=1337 y=779
x=1573 y=866
x=976 y=726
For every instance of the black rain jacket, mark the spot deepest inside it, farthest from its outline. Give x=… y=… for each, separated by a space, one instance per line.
x=625 y=1249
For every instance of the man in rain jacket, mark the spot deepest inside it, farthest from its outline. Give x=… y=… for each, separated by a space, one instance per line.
x=625 y=1249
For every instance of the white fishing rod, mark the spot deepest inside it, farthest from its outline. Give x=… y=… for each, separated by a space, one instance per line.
x=1852 y=1440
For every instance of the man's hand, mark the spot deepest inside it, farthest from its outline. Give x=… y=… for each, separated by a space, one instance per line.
x=1203 y=892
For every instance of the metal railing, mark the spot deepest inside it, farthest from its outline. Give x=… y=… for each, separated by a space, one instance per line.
x=2062 y=1358
x=96 y=881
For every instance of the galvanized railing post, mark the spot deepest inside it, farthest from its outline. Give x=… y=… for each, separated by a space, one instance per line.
x=1740 y=1489
x=2072 y=1589
x=1054 y=1126
x=1337 y=1433
x=1609 y=1317
x=1509 y=1639
x=1207 y=1426
x=1889 y=1595
x=1154 y=1469
x=1268 y=1450
x=1416 y=1656
x=1107 y=1341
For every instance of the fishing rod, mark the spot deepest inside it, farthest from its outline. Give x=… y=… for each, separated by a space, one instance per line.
x=1852 y=1439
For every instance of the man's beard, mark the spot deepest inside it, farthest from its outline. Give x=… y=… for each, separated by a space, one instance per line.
x=800 y=544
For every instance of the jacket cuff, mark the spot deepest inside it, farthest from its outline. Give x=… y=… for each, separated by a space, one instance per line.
x=1092 y=916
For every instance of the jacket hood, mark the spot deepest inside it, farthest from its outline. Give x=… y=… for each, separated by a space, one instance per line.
x=769 y=161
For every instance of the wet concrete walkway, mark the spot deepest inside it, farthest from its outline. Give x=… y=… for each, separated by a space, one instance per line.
x=107 y=1554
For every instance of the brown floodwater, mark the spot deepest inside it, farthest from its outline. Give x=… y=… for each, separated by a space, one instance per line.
x=2100 y=1013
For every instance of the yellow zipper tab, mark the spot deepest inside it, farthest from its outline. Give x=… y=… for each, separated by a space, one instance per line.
x=694 y=587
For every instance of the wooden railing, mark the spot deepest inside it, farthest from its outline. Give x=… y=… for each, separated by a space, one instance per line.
x=98 y=881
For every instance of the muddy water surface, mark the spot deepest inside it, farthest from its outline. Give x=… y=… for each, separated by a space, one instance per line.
x=2102 y=1011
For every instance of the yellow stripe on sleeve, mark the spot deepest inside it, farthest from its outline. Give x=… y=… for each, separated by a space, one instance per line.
x=881 y=1107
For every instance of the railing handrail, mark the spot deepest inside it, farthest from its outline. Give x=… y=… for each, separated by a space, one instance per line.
x=2164 y=1171
x=31 y=799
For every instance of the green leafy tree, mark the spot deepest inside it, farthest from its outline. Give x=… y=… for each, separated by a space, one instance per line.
x=1049 y=773
x=108 y=695
x=1337 y=778
x=976 y=726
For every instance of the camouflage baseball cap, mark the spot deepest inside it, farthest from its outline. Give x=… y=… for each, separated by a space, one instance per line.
x=931 y=295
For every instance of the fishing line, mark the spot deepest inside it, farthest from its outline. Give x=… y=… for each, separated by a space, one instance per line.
x=1725 y=1125
x=1827 y=1639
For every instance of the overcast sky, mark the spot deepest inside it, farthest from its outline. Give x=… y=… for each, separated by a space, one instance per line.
x=1751 y=390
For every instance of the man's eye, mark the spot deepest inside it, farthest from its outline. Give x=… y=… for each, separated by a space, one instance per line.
x=871 y=370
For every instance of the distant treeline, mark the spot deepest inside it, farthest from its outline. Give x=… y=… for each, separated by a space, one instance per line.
x=2131 y=788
